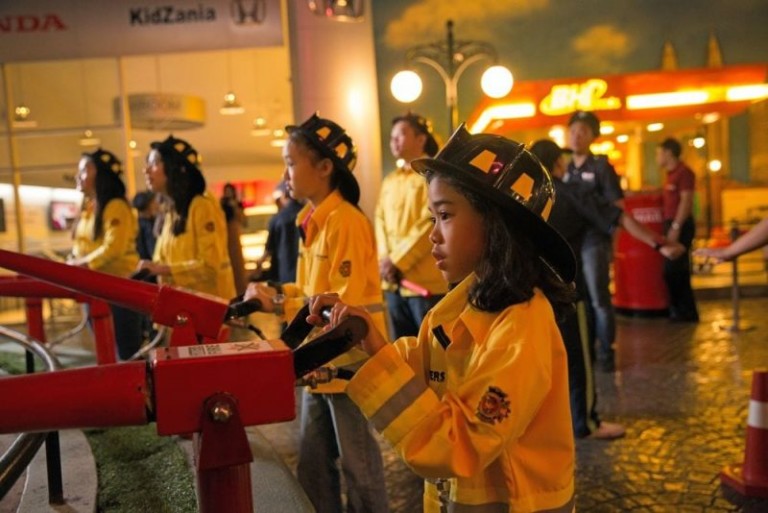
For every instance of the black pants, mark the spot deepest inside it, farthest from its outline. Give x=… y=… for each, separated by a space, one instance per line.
x=128 y=324
x=581 y=376
x=677 y=276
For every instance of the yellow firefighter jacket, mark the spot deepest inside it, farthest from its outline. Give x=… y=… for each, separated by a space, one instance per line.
x=338 y=254
x=403 y=225
x=478 y=405
x=114 y=252
x=198 y=258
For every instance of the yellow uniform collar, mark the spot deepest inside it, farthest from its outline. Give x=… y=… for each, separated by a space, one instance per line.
x=318 y=216
x=455 y=307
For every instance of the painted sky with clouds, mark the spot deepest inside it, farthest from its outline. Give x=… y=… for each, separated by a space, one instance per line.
x=540 y=39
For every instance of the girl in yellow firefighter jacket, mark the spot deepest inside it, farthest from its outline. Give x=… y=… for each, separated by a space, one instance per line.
x=478 y=403
x=338 y=254
x=191 y=251
x=105 y=236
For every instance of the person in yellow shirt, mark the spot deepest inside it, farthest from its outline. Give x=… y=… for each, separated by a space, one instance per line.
x=478 y=403
x=105 y=236
x=191 y=251
x=337 y=253
x=402 y=230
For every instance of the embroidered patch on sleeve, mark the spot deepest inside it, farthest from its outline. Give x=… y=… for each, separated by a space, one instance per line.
x=493 y=406
x=345 y=269
x=209 y=226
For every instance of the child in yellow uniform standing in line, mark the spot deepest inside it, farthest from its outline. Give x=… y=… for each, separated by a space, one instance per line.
x=105 y=236
x=478 y=403
x=337 y=253
x=191 y=251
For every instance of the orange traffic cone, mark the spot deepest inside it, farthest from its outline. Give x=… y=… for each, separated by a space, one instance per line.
x=751 y=477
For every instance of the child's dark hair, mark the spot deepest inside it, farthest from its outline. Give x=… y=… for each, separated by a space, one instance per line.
x=337 y=179
x=108 y=186
x=185 y=181
x=510 y=268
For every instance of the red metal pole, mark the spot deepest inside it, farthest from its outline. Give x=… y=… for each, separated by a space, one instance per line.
x=103 y=332
x=100 y=396
x=223 y=458
x=25 y=286
x=34 y=311
x=202 y=314
x=124 y=292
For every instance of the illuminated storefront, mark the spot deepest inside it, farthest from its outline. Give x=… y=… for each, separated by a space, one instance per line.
x=719 y=113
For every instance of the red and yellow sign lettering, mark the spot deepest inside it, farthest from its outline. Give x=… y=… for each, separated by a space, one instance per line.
x=589 y=95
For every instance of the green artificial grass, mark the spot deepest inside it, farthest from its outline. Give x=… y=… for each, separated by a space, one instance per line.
x=139 y=471
x=14 y=363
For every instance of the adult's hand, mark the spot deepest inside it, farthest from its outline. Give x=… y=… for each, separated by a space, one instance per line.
x=672 y=250
x=716 y=254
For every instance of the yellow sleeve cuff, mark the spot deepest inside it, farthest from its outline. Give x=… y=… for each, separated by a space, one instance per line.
x=381 y=377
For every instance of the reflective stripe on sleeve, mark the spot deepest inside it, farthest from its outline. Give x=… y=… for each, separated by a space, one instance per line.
x=395 y=405
x=374 y=307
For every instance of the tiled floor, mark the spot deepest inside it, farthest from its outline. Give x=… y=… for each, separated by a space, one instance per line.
x=681 y=390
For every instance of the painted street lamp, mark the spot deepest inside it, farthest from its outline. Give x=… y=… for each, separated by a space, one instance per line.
x=450 y=58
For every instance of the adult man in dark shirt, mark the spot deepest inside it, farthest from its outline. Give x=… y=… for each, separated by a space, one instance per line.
x=146 y=206
x=282 y=246
x=576 y=210
x=679 y=226
x=598 y=176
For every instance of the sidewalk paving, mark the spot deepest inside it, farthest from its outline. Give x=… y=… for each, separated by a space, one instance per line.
x=681 y=390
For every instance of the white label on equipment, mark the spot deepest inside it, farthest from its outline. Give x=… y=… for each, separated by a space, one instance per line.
x=226 y=348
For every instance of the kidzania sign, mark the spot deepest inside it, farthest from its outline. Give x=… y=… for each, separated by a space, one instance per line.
x=52 y=29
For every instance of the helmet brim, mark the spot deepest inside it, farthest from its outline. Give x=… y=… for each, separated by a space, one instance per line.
x=553 y=248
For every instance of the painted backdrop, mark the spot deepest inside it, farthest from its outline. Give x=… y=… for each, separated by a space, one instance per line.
x=540 y=39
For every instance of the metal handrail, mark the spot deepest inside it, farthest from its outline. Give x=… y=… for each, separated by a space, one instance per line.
x=20 y=454
x=71 y=332
x=159 y=337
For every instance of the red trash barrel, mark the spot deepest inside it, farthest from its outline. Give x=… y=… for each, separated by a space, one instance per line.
x=638 y=278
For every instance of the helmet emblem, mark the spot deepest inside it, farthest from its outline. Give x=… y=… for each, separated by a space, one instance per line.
x=484 y=161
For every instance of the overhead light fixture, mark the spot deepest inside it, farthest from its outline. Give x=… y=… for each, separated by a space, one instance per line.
x=519 y=110
x=655 y=127
x=557 y=134
x=22 y=112
x=278 y=138
x=661 y=100
x=747 y=92
x=133 y=148
x=260 y=128
x=622 y=138
x=231 y=106
x=21 y=115
x=88 y=139
x=339 y=10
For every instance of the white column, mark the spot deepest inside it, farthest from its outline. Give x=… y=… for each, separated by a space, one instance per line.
x=333 y=70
